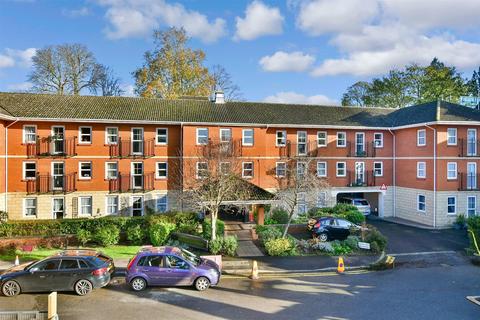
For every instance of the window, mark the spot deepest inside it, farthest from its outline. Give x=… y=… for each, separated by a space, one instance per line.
x=247 y=169
x=30 y=207
x=225 y=135
x=471 y=206
x=281 y=140
x=451 y=170
x=111 y=135
x=202 y=170
x=301 y=143
x=162 y=203
x=452 y=136
x=137 y=206
x=111 y=170
x=58 y=208
x=85 y=205
x=321 y=169
x=112 y=205
x=48 y=265
x=341 y=139
x=174 y=262
x=151 y=261
x=301 y=169
x=85 y=134
x=301 y=203
x=225 y=168
x=322 y=200
x=137 y=175
x=58 y=175
x=341 y=169
x=451 y=205
x=281 y=169
x=471 y=175
x=471 y=142
x=69 y=264
x=321 y=139
x=162 y=136
x=85 y=169
x=421 y=138
x=378 y=140
x=58 y=140
x=360 y=172
x=202 y=135
x=360 y=144
x=29 y=170
x=247 y=137
x=162 y=170
x=137 y=141
x=421 y=170
x=421 y=202
x=378 y=169
x=29 y=134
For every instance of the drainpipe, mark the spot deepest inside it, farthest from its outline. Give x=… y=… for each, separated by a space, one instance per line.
x=434 y=174
x=6 y=163
x=181 y=166
x=394 y=174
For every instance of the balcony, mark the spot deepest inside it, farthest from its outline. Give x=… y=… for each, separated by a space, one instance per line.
x=369 y=151
x=45 y=183
x=52 y=146
x=132 y=183
x=468 y=148
x=468 y=182
x=216 y=148
x=369 y=179
x=308 y=149
x=126 y=148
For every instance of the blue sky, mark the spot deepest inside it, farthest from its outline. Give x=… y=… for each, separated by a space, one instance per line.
x=306 y=51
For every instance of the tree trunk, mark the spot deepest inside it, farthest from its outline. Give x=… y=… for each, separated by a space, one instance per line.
x=214 y=214
x=288 y=225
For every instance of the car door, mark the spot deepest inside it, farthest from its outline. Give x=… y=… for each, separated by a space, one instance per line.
x=178 y=271
x=153 y=267
x=68 y=273
x=343 y=227
x=40 y=276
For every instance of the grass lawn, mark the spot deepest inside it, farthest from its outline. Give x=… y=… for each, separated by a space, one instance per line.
x=116 y=252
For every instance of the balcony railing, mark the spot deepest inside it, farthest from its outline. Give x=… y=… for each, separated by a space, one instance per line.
x=468 y=181
x=52 y=146
x=132 y=183
x=216 y=148
x=308 y=149
x=369 y=150
x=45 y=183
x=468 y=148
x=354 y=180
x=126 y=148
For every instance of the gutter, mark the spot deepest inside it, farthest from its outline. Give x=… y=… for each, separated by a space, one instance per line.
x=6 y=163
x=394 y=174
x=434 y=174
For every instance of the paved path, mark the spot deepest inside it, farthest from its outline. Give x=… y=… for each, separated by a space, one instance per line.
x=246 y=246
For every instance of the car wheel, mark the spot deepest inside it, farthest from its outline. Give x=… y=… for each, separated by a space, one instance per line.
x=138 y=284
x=83 y=287
x=202 y=284
x=10 y=288
x=323 y=237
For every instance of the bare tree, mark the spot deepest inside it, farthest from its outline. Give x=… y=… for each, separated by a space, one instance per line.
x=49 y=71
x=108 y=84
x=223 y=81
x=298 y=185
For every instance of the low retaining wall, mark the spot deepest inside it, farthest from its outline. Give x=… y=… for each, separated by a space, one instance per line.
x=293 y=228
x=46 y=242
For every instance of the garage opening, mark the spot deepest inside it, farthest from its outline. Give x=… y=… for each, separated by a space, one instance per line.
x=374 y=200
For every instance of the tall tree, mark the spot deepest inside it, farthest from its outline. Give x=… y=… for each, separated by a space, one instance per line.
x=390 y=91
x=64 y=69
x=223 y=81
x=442 y=82
x=173 y=69
x=357 y=94
x=474 y=84
x=108 y=84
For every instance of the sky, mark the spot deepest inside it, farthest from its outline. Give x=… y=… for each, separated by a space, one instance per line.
x=287 y=51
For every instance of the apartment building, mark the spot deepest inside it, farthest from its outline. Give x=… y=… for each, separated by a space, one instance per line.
x=87 y=156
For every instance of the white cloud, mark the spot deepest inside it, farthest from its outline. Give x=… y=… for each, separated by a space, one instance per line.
x=17 y=58
x=260 y=20
x=283 y=61
x=6 y=61
x=293 y=97
x=129 y=90
x=74 y=13
x=137 y=18
x=18 y=87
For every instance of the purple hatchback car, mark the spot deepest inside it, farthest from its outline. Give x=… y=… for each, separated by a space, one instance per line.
x=171 y=266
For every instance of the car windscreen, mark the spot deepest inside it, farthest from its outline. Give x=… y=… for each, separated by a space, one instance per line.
x=361 y=202
x=191 y=257
x=96 y=261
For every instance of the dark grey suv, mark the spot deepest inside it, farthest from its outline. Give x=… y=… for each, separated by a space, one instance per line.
x=72 y=270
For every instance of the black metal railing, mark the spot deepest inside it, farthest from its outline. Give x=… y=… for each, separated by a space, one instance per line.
x=132 y=183
x=468 y=148
x=216 y=148
x=368 y=151
x=45 y=183
x=356 y=180
x=468 y=181
x=52 y=146
x=126 y=148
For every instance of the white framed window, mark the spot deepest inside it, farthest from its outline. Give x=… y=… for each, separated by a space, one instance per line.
x=85 y=135
x=111 y=135
x=421 y=138
x=302 y=147
x=247 y=169
x=301 y=203
x=301 y=169
x=137 y=141
x=281 y=138
x=58 y=139
x=202 y=170
x=29 y=170
x=321 y=168
x=378 y=169
x=85 y=170
x=471 y=206
x=225 y=168
x=341 y=169
x=58 y=175
x=247 y=137
x=451 y=170
x=161 y=136
x=225 y=135
x=202 y=136
x=58 y=208
x=111 y=170
x=360 y=143
x=162 y=170
x=378 y=139
x=341 y=139
x=111 y=205
x=137 y=206
x=29 y=134
x=452 y=136
x=421 y=202
x=421 y=170
x=322 y=199
x=136 y=173
x=281 y=169
x=452 y=205
x=30 y=207
x=85 y=206
x=471 y=142
x=162 y=203
x=322 y=138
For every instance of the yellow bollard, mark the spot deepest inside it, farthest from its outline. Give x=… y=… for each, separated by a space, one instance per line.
x=17 y=262
x=341 y=266
x=254 y=274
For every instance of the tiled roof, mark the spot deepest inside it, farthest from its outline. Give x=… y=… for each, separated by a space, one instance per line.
x=47 y=106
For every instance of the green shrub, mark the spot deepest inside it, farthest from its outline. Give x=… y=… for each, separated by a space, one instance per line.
x=83 y=236
x=352 y=242
x=135 y=234
x=269 y=233
x=377 y=241
x=107 y=235
x=280 y=247
x=224 y=245
x=159 y=232
x=473 y=224
x=207 y=228
x=215 y=246
x=354 y=216
x=280 y=216
x=340 y=248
